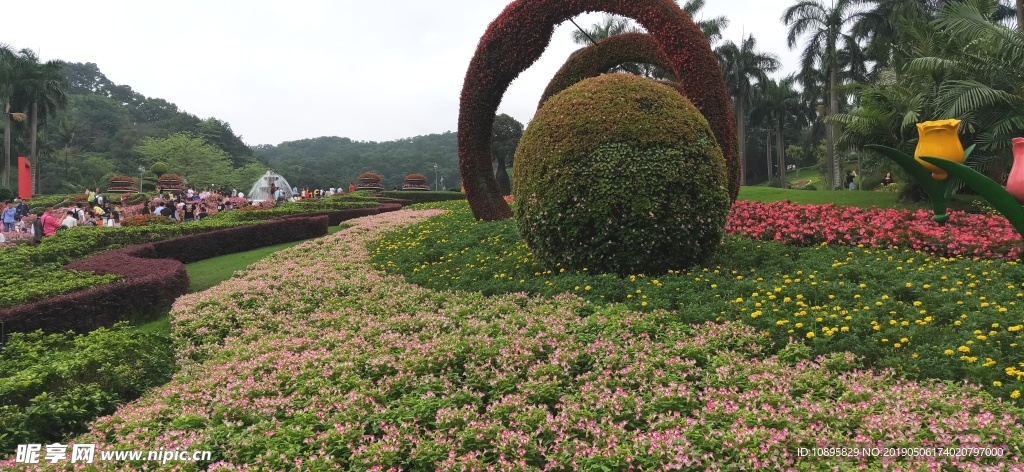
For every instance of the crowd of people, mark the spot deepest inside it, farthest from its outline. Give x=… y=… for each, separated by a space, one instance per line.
x=96 y=209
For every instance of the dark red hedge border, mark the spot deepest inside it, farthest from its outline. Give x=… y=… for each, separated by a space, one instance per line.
x=518 y=37
x=613 y=51
x=154 y=276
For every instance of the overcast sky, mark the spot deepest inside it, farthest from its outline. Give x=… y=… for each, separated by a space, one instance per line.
x=286 y=70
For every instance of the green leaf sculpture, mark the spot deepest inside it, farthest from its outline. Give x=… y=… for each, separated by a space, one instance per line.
x=1000 y=199
x=938 y=190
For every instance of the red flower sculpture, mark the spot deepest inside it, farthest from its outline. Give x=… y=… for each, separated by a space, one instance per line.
x=518 y=37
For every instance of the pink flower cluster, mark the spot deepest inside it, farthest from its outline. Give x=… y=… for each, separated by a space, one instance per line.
x=965 y=234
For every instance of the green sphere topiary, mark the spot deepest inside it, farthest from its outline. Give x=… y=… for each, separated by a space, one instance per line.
x=620 y=174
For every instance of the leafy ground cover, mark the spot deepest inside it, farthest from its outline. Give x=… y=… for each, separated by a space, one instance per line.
x=922 y=315
x=210 y=272
x=53 y=385
x=314 y=360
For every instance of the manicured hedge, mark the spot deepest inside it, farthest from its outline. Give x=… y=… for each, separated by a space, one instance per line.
x=620 y=174
x=334 y=216
x=197 y=247
x=153 y=276
x=520 y=35
x=55 y=384
x=425 y=196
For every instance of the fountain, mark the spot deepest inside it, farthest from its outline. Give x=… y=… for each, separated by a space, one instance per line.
x=265 y=187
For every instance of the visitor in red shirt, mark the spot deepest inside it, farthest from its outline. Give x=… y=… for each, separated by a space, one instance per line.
x=50 y=224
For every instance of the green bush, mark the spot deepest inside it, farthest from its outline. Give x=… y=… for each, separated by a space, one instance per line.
x=426 y=196
x=53 y=385
x=620 y=174
x=6 y=194
x=41 y=202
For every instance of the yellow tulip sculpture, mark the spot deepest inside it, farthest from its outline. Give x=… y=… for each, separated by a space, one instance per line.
x=939 y=154
x=939 y=139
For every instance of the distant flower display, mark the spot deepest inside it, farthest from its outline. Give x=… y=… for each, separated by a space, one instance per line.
x=965 y=234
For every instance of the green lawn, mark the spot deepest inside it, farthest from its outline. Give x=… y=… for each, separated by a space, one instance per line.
x=809 y=174
x=210 y=272
x=857 y=198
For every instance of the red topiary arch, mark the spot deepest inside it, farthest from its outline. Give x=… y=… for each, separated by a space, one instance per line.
x=600 y=57
x=518 y=37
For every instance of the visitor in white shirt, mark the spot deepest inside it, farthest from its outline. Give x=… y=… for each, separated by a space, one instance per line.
x=70 y=221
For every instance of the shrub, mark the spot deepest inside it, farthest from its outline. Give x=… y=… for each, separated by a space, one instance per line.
x=54 y=384
x=6 y=194
x=425 y=197
x=40 y=202
x=146 y=220
x=620 y=174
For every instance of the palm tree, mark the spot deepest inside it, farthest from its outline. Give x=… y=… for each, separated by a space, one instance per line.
x=979 y=75
x=741 y=65
x=827 y=29
x=777 y=103
x=612 y=25
x=8 y=76
x=45 y=88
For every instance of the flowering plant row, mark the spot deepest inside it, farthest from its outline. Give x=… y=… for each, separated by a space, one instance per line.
x=951 y=319
x=314 y=355
x=965 y=234
x=518 y=37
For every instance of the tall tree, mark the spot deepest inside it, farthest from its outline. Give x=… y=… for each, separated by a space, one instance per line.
x=44 y=87
x=979 y=74
x=742 y=64
x=777 y=104
x=11 y=70
x=827 y=29
x=611 y=25
x=504 y=141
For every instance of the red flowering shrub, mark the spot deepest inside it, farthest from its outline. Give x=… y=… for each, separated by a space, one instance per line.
x=965 y=234
x=518 y=37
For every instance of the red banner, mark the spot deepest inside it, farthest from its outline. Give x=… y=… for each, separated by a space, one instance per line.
x=24 y=178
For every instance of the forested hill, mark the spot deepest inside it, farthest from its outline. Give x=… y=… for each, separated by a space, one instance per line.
x=100 y=130
x=333 y=161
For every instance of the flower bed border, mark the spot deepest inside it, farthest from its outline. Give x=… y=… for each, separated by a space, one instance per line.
x=154 y=276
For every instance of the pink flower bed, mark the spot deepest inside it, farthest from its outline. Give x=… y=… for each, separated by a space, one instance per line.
x=314 y=360
x=965 y=234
